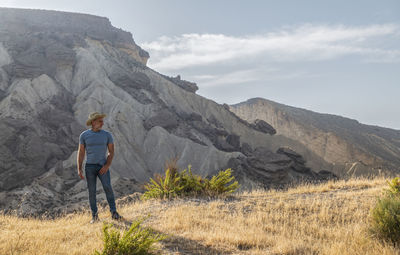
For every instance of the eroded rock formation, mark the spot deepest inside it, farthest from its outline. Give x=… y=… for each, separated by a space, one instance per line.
x=57 y=67
x=349 y=147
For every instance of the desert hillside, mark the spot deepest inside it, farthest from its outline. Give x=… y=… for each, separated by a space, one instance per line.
x=328 y=218
x=349 y=147
x=57 y=67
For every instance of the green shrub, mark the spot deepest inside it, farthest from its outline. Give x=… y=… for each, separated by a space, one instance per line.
x=386 y=219
x=394 y=187
x=385 y=216
x=186 y=183
x=192 y=185
x=136 y=240
x=167 y=186
x=220 y=184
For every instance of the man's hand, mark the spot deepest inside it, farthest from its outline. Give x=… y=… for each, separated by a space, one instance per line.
x=103 y=170
x=79 y=159
x=110 y=156
x=80 y=173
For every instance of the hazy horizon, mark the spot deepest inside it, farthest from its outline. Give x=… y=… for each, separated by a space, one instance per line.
x=340 y=57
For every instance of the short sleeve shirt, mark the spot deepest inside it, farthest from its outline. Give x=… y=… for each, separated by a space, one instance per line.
x=96 y=145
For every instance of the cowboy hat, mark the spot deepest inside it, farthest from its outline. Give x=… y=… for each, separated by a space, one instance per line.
x=93 y=116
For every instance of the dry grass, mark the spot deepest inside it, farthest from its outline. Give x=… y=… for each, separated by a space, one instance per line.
x=330 y=218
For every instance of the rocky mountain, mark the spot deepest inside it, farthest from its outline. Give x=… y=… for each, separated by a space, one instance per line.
x=57 y=67
x=349 y=147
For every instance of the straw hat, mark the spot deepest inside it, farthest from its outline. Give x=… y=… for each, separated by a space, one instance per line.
x=93 y=116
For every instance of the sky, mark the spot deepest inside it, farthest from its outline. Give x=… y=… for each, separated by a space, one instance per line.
x=338 y=57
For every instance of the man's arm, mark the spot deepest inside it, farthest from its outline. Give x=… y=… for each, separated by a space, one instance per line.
x=80 y=157
x=110 y=157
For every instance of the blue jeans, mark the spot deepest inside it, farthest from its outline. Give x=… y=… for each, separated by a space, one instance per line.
x=92 y=172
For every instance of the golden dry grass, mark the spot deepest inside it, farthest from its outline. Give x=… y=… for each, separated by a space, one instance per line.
x=329 y=218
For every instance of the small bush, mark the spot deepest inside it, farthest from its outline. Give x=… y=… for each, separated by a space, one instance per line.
x=394 y=188
x=219 y=184
x=186 y=183
x=135 y=241
x=386 y=219
x=192 y=185
x=385 y=216
x=167 y=186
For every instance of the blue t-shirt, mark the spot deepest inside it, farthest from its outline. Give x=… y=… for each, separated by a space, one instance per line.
x=96 y=145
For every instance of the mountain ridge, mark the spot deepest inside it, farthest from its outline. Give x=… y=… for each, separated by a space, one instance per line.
x=255 y=99
x=375 y=146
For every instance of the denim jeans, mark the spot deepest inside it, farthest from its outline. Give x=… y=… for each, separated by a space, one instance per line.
x=92 y=172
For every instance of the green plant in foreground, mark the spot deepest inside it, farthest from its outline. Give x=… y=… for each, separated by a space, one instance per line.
x=394 y=187
x=167 y=186
x=135 y=241
x=186 y=183
x=192 y=185
x=385 y=218
x=220 y=184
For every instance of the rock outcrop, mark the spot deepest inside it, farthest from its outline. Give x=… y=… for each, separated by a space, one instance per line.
x=57 y=67
x=282 y=167
x=187 y=85
x=349 y=148
x=72 y=26
x=263 y=126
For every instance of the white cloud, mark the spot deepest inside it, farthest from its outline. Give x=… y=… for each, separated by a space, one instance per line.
x=304 y=43
x=235 y=77
x=248 y=75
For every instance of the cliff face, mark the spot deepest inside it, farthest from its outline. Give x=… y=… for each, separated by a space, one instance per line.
x=67 y=27
x=56 y=68
x=348 y=146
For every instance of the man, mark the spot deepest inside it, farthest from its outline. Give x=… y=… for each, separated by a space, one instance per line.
x=96 y=142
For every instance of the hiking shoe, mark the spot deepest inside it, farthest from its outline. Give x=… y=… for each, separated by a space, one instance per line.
x=116 y=216
x=95 y=218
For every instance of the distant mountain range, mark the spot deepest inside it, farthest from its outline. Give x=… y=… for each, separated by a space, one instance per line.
x=331 y=142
